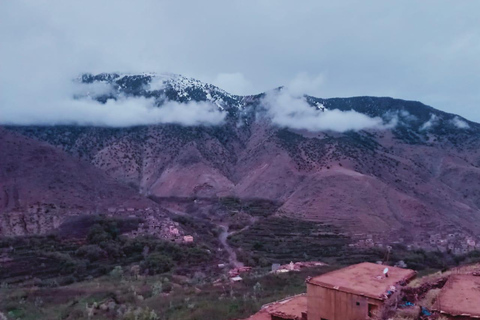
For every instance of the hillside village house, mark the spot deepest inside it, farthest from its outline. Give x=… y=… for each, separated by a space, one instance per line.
x=358 y=292
x=460 y=298
x=188 y=239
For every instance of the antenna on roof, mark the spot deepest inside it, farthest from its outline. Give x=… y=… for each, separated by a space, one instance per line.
x=387 y=255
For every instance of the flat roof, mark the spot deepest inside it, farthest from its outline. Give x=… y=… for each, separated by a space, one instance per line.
x=289 y=308
x=460 y=296
x=365 y=279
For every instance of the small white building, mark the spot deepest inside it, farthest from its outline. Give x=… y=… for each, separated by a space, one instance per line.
x=187 y=239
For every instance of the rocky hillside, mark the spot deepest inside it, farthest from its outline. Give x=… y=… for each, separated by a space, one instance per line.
x=42 y=188
x=420 y=174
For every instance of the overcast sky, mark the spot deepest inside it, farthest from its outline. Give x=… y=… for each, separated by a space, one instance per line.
x=410 y=49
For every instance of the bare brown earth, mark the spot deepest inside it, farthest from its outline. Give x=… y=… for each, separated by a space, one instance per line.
x=460 y=296
x=42 y=188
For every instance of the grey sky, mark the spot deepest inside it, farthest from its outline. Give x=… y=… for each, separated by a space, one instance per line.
x=410 y=49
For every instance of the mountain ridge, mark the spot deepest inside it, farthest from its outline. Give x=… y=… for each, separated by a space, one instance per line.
x=140 y=84
x=383 y=182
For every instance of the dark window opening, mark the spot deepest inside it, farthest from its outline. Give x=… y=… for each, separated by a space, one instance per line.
x=372 y=310
x=358 y=303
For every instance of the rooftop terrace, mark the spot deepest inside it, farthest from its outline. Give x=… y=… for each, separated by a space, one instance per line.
x=289 y=308
x=460 y=296
x=365 y=279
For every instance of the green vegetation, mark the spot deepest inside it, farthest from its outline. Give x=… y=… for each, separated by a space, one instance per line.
x=110 y=276
x=51 y=261
x=281 y=240
x=165 y=297
x=253 y=207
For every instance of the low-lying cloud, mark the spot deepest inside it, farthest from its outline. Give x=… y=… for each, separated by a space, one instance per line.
x=75 y=103
x=430 y=123
x=288 y=107
x=81 y=108
x=459 y=123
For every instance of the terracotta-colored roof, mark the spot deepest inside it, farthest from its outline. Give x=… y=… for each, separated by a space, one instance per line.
x=366 y=279
x=289 y=308
x=460 y=296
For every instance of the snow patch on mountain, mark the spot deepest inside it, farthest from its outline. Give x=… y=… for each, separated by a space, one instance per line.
x=167 y=86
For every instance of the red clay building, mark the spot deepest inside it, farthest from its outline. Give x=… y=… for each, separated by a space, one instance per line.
x=291 y=308
x=358 y=292
x=460 y=298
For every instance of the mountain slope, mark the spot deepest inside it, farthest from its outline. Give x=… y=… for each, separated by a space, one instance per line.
x=422 y=174
x=41 y=187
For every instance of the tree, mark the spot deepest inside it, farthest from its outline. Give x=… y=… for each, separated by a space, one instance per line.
x=158 y=263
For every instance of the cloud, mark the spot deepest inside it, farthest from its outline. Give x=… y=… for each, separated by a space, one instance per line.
x=76 y=104
x=430 y=123
x=94 y=89
x=361 y=52
x=46 y=46
x=122 y=112
x=459 y=123
x=289 y=110
x=407 y=116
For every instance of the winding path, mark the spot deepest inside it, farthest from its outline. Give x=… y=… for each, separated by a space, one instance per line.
x=232 y=255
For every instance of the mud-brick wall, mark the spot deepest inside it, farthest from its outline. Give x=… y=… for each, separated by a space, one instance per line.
x=329 y=304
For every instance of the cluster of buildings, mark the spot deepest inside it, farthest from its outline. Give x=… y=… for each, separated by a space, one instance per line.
x=371 y=291
x=456 y=243
x=295 y=266
x=235 y=273
x=152 y=224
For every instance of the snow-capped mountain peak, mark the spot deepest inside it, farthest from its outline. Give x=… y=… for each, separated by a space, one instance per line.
x=163 y=86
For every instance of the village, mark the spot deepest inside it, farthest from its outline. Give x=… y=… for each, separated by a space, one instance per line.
x=379 y=292
x=372 y=290
x=456 y=243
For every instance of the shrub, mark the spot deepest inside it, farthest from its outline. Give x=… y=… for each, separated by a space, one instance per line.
x=430 y=298
x=103 y=230
x=117 y=272
x=92 y=252
x=158 y=263
x=97 y=235
x=140 y=314
x=407 y=313
x=113 y=249
x=64 y=261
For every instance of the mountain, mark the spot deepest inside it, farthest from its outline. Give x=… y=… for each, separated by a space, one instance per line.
x=42 y=188
x=162 y=87
x=411 y=181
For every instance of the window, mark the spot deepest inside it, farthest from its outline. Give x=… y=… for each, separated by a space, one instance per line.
x=372 y=310
x=358 y=303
